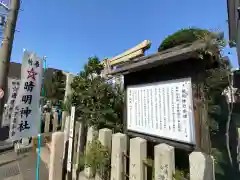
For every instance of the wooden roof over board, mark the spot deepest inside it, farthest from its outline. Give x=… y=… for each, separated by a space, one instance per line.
x=175 y=54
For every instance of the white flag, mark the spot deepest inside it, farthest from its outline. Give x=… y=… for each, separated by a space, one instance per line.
x=26 y=115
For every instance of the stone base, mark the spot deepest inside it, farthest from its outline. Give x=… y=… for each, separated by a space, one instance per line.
x=20 y=148
x=81 y=176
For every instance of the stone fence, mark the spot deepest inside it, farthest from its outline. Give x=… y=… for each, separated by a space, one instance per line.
x=132 y=151
x=51 y=122
x=201 y=165
x=128 y=156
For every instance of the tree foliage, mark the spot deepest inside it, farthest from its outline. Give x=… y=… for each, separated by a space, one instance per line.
x=98 y=103
x=98 y=157
x=184 y=36
x=55 y=87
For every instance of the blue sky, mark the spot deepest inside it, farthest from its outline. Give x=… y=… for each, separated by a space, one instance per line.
x=70 y=31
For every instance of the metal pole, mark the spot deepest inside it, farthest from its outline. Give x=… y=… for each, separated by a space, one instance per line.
x=39 y=135
x=6 y=49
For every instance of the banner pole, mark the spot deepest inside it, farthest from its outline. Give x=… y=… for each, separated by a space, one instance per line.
x=39 y=135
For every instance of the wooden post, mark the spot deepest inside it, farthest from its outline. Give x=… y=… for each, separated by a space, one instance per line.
x=203 y=142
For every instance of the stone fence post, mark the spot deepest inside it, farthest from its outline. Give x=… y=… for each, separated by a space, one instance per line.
x=105 y=137
x=138 y=153
x=164 y=162
x=91 y=135
x=55 y=121
x=56 y=156
x=47 y=121
x=64 y=115
x=201 y=166
x=79 y=138
x=66 y=128
x=76 y=137
x=76 y=153
x=66 y=136
x=118 y=162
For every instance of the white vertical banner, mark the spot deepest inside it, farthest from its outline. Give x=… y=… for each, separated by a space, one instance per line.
x=70 y=139
x=25 y=121
x=13 y=85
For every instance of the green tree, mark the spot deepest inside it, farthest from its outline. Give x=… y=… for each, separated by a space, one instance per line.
x=216 y=80
x=55 y=87
x=98 y=103
x=186 y=35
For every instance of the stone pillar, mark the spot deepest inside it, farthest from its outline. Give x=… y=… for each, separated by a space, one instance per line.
x=47 y=122
x=105 y=137
x=78 y=143
x=138 y=153
x=56 y=156
x=201 y=166
x=64 y=116
x=75 y=149
x=118 y=162
x=66 y=136
x=55 y=121
x=68 y=89
x=66 y=132
x=25 y=141
x=164 y=162
x=76 y=136
x=91 y=135
x=66 y=128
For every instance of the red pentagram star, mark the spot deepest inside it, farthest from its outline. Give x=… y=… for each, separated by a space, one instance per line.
x=31 y=74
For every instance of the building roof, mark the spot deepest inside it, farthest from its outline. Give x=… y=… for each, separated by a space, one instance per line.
x=172 y=55
x=15 y=71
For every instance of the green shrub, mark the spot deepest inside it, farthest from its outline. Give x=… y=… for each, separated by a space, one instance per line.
x=183 y=36
x=99 y=159
x=81 y=161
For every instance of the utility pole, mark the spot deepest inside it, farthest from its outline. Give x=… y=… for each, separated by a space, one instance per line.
x=6 y=49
